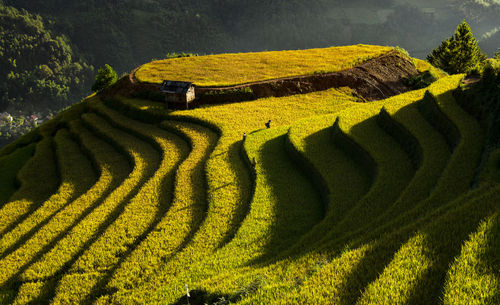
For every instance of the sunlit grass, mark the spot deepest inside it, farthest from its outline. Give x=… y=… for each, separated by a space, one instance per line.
x=41 y=167
x=232 y=69
x=346 y=203
x=9 y=167
x=145 y=208
x=88 y=212
x=474 y=277
x=21 y=245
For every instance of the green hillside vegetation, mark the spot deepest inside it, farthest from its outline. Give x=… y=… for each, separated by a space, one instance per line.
x=128 y=33
x=41 y=72
x=339 y=201
x=39 y=68
x=10 y=166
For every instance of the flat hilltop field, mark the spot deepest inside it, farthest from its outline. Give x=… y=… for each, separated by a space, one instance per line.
x=339 y=201
x=234 y=69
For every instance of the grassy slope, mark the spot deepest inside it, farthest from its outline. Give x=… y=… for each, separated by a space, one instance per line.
x=184 y=217
x=275 y=273
x=229 y=186
x=31 y=194
x=404 y=101
x=232 y=69
x=9 y=167
x=346 y=204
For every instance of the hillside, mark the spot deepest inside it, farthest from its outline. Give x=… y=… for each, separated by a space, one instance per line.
x=340 y=201
x=128 y=33
x=40 y=70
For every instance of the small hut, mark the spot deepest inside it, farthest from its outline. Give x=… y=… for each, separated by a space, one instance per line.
x=178 y=93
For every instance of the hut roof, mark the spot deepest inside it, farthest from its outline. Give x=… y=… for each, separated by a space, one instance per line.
x=170 y=86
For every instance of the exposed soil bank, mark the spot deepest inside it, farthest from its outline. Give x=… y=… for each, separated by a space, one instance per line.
x=374 y=79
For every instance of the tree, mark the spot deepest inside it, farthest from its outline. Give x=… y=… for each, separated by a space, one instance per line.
x=459 y=53
x=105 y=77
x=497 y=54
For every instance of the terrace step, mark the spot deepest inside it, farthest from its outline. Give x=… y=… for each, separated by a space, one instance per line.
x=143 y=211
x=143 y=160
x=32 y=193
x=429 y=247
x=77 y=175
x=283 y=196
x=394 y=172
x=428 y=151
x=10 y=165
x=345 y=181
x=458 y=173
x=176 y=228
x=79 y=224
x=21 y=246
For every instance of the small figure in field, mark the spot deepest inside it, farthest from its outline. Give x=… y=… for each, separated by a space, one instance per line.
x=268 y=124
x=254 y=162
x=244 y=136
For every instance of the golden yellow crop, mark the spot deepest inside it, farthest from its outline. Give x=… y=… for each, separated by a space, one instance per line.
x=183 y=217
x=10 y=165
x=41 y=167
x=86 y=213
x=156 y=168
x=345 y=202
x=229 y=188
x=232 y=69
x=77 y=176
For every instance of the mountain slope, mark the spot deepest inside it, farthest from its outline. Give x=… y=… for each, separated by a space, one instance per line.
x=338 y=201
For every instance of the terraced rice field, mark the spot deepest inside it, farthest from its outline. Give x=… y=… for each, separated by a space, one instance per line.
x=338 y=202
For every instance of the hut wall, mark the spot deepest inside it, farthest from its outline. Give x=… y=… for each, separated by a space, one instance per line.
x=175 y=98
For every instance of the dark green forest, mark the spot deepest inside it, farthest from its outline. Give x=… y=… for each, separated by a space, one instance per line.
x=40 y=72
x=39 y=68
x=128 y=33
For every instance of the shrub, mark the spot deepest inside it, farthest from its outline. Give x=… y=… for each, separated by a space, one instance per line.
x=105 y=77
x=491 y=72
x=179 y=55
x=459 y=53
x=402 y=51
x=421 y=80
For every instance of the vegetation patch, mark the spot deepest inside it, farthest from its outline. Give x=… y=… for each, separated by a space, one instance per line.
x=422 y=80
x=10 y=166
